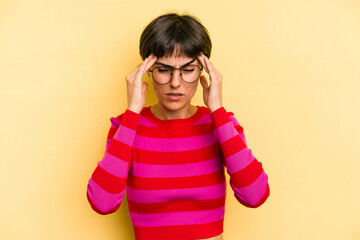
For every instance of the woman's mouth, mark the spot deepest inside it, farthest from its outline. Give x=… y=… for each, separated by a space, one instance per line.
x=174 y=96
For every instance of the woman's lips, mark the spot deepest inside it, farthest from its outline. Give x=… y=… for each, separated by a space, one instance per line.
x=174 y=96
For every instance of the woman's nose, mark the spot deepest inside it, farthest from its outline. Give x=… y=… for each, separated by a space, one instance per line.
x=175 y=78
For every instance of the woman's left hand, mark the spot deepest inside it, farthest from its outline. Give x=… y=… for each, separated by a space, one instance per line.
x=211 y=94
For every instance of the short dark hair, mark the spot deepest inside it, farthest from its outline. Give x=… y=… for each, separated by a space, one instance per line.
x=183 y=33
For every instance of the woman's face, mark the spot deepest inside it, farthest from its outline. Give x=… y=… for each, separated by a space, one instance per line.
x=176 y=94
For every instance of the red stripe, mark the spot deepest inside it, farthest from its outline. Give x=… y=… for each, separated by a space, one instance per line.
x=114 y=127
x=196 y=231
x=247 y=175
x=107 y=181
x=220 y=117
x=183 y=157
x=120 y=117
x=120 y=150
x=179 y=132
x=130 y=119
x=262 y=200
x=232 y=146
x=239 y=129
x=145 y=183
x=112 y=132
x=176 y=205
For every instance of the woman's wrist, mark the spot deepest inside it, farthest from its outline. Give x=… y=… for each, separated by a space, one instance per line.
x=213 y=109
x=134 y=109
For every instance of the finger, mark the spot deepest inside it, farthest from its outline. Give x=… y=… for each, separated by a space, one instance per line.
x=218 y=74
x=203 y=82
x=150 y=62
x=140 y=71
x=131 y=75
x=207 y=67
x=137 y=71
x=202 y=60
x=151 y=55
x=211 y=70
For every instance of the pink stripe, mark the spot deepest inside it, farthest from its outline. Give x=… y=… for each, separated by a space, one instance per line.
x=115 y=122
x=243 y=138
x=233 y=119
x=114 y=165
x=178 y=170
x=174 y=144
x=205 y=119
x=177 y=218
x=226 y=131
x=103 y=200
x=239 y=160
x=154 y=196
x=253 y=193
x=125 y=135
x=146 y=122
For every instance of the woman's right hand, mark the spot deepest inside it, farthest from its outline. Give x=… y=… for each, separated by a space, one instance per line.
x=135 y=87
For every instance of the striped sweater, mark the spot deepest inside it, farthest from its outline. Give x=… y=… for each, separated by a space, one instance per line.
x=173 y=173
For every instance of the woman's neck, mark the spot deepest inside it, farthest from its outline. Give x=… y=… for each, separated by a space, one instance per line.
x=162 y=113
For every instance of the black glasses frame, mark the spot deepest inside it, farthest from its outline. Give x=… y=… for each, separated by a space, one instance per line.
x=171 y=69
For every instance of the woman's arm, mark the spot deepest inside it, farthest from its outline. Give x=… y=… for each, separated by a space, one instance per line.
x=106 y=187
x=247 y=177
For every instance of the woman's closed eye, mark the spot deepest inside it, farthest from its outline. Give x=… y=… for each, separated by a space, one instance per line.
x=186 y=69
x=189 y=68
x=164 y=70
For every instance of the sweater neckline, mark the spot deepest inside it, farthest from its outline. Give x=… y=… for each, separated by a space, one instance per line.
x=184 y=121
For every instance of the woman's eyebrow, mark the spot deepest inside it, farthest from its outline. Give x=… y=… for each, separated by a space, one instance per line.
x=163 y=64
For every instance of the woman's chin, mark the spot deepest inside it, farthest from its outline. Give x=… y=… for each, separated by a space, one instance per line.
x=173 y=105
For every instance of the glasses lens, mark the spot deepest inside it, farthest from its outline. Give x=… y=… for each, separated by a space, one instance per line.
x=162 y=75
x=190 y=73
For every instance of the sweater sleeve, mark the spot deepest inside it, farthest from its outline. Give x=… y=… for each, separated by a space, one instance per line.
x=106 y=187
x=247 y=177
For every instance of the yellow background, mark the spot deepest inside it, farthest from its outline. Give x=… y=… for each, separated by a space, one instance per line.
x=291 y=76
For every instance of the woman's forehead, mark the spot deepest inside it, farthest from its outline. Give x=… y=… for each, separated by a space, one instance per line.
x=177 y=61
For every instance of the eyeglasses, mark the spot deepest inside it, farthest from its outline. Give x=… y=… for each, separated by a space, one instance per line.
x=189 y=73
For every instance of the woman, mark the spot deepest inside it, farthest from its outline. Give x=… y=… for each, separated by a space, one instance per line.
x=171 y=157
